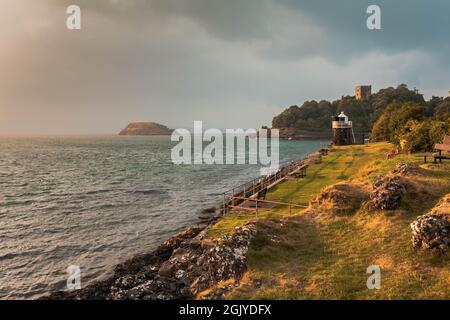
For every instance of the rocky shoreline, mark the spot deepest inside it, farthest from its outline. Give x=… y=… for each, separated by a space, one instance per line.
x=186 y=266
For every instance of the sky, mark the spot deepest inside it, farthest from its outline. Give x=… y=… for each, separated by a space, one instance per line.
x=229 y=63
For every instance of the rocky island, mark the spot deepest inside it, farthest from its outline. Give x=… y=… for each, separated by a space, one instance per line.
x=145 y=129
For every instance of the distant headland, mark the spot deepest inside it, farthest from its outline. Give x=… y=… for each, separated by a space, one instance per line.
x=145 y=129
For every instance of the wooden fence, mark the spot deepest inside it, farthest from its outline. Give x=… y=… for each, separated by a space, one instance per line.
x=249 y=190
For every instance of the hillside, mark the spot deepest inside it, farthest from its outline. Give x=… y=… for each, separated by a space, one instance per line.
x=316 y=116
x=323 y=252
x=145 y=129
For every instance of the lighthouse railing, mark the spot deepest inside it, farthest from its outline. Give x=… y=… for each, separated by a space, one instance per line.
x=341 y=124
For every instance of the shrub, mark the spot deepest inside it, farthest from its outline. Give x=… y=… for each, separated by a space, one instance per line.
x=422 y=136
x=393 y=122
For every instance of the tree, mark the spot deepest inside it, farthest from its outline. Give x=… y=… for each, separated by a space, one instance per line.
x=442 y=110
x=423 y=135
x=392 y=124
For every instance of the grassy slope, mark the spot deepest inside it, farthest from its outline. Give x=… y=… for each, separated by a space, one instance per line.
x=308 y=256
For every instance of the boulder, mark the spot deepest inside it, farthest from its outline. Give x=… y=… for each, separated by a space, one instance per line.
x=431 y=232
x=387 y=193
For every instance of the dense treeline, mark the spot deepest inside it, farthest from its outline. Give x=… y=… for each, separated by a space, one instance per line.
x=399 y=115
x=316 y=116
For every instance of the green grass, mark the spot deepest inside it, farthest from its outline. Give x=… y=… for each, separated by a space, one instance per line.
x=309 y=256
x=335 y=167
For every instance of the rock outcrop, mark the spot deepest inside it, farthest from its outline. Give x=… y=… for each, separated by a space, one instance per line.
x=387 y=193
x=432 y=230
x=145 y=129
x=181 y=268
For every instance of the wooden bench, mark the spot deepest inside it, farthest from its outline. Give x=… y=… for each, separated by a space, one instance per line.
x=262 y=194
x=426 y=155
x=444 y=146
x=300 y=172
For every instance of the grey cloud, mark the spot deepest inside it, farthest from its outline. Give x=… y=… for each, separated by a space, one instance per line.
x=406 y=25
x=179 y=61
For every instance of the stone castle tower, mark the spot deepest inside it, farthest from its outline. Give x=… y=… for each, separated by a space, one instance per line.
x=363 y=92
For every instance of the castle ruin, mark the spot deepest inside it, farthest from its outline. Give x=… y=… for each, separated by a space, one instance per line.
x=363 y=92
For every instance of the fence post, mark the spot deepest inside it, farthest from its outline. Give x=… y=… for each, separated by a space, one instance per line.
x=224 y=207
x=256 y=208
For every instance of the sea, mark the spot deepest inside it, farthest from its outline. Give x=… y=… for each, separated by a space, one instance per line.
x=95 y=201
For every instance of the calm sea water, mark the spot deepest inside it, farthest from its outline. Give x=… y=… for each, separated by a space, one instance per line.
x=95 y=201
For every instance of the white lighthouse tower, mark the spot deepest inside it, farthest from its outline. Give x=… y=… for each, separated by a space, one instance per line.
x=342 y=130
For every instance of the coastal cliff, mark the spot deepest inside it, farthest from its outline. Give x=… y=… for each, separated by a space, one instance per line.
x=145 y=129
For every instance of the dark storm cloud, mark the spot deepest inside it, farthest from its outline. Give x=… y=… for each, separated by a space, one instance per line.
x=406 y=25
x=177 y=61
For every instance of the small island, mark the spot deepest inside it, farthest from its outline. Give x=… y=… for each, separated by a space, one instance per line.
x=145 y=129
